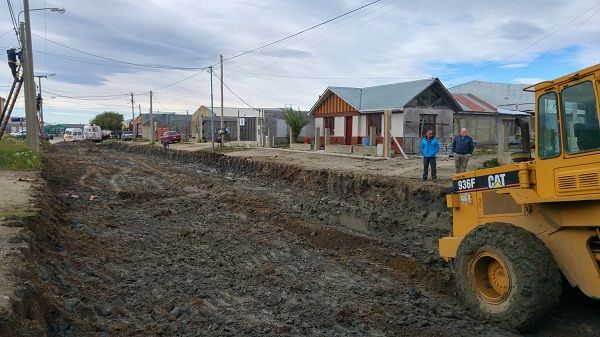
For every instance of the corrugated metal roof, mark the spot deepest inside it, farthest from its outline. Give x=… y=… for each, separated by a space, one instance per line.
x=471 y=102
x=496 y=94
x=392 y=96
x=377 y=98
x=352 y=96
x=513 y=112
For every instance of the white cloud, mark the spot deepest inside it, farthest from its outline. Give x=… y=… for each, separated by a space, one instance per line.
x=514 y=65
x=399 y=40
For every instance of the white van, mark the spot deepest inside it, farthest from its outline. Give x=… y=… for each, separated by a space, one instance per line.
x=72 y=134
x=92 y=132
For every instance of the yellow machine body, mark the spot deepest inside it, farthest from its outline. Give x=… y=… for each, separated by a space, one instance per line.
x=556 y=195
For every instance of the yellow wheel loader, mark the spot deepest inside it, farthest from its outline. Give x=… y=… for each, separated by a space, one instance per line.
x=518 y=227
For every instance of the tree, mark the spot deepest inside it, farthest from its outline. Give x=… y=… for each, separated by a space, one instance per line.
x=296 y=120
x=108 y=120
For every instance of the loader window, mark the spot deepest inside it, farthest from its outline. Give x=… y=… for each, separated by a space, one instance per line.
x=580 y=118
x=548 y=139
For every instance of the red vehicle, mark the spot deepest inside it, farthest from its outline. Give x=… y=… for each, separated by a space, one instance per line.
x=171 y=137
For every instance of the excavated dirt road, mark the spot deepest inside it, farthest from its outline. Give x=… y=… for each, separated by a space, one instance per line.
x=136 y=244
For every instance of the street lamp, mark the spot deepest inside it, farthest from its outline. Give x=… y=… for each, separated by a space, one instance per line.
x=59 y=10
x=27 y=55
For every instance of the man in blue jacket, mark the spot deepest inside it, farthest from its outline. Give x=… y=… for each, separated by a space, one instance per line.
x=462 y=146
x=429 y=148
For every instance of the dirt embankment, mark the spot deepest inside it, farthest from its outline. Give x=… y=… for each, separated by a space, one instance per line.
x=398 y=210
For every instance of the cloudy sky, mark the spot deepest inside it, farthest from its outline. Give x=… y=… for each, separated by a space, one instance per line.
x=391 y=41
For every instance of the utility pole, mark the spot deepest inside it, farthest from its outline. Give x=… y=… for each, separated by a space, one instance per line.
x=212 y=111
x=30 y=112
x=140 y=108
x=222 y=106
x=151 y=121
x=133 y=124
x=41 y=102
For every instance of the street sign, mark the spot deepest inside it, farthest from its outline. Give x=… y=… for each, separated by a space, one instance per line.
x=242 y=121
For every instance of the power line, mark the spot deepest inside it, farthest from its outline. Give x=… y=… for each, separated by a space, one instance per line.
x=345 y=21
x=234 y=94
x=154 y=66
x=549 y=34
x=184 y=79
x=561 y=40
x=13 y=19
x=8 y=31
x=91 y=97
x=302 y=31
x=326 y=78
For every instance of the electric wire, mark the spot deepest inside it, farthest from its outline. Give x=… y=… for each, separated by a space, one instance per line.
x=302 y=31
x=154 y=66
x=234 y=94
x=559 y=42
x=549 y=34
x=8 y=31
x=14 y=20
x=314 y=35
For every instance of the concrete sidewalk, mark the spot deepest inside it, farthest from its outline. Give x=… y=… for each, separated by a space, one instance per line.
x=15 y=203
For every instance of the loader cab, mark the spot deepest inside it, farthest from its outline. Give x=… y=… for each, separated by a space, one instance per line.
x=567 y=129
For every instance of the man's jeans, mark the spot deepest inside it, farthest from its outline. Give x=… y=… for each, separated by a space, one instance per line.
x=429 y=161
x=461 y=161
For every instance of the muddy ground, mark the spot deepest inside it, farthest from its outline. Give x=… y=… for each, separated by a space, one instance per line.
x=131 y=243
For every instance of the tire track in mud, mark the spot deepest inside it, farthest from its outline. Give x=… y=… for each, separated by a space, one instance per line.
x=356 y=246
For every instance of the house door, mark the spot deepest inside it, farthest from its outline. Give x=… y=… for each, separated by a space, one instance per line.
x=348 y=130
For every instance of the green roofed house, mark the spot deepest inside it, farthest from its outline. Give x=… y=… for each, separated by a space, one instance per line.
x=56 y=130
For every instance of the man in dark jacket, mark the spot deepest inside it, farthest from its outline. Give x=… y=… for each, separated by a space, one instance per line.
x=429 y=148
x=462 y=146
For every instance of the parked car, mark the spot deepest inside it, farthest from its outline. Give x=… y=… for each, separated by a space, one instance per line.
x=127 y=135
x=19 y=134
x=92 y=132
x=171 y=137
x=45 y=136
x=73 y=135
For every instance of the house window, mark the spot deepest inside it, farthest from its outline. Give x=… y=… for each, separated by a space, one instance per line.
x=329 y=123
x=375 y=121
x=426 y=122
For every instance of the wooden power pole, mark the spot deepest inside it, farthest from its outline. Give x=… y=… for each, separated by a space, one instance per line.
x=27 y=54
x=133 y=124
x=222 y=106
x=152 y=131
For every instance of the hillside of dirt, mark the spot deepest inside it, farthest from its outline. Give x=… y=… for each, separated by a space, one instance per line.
x=133 y=242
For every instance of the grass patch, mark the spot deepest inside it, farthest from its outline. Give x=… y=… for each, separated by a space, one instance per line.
x=14 y=155
x=484 y=150
x=17 y=214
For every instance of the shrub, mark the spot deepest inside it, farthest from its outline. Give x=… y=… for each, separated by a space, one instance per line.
x=296 y=120
x=491 y=163
x=14 y=155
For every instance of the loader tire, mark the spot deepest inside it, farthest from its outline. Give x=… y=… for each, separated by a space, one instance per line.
x=506 y=275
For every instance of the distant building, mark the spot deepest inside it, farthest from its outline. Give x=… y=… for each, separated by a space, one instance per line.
x=247 y=118
x=486 y=104
x=416 y=106
x=16 y=124
x=174 y=122
x=56 y=129
x=499 y=95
